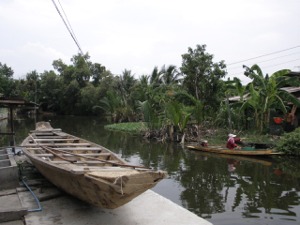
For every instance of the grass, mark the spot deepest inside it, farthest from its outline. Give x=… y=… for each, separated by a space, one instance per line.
x=130 y=127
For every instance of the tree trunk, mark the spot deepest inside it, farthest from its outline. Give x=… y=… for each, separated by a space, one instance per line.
x=171 y=132
x=182 y=139
x=198 y=133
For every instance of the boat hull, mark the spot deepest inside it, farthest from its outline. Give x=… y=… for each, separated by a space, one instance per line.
x=103 y=183
x=222 y=150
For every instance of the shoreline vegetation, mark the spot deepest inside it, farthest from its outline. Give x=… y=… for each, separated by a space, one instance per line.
x=213 y=136
x=288 y=143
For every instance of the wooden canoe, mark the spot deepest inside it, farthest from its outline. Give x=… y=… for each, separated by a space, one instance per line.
x=266 y=161
x=224 y=150
x=86 y=170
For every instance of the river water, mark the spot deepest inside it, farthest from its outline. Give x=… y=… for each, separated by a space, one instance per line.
x=223 y=190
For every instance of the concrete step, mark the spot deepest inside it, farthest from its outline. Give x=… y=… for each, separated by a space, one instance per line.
x=11 y=208
x=9 y=175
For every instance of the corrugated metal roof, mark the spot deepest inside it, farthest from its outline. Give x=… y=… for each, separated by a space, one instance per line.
x=291 y=89
x=15 y=102
x=238 y=98
x=287 y=89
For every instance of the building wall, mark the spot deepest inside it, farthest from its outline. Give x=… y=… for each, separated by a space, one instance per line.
x=3 y=113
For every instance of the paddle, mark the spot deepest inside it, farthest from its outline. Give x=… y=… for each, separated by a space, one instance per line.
x=57 y=155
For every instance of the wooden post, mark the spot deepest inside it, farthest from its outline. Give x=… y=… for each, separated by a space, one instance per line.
x=12 y=139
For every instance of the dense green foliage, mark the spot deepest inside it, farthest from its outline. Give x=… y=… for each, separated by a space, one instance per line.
x=167 y=98
x=203 y=77
x=6 y=80
x=290 y=143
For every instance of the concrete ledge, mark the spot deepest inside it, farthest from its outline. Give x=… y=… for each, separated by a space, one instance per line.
x=147 y=209
x=15 y=222
x=10 y=206
x=12 y=214
x=9 y=177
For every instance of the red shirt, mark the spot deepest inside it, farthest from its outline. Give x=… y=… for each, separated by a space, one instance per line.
x=231 y=143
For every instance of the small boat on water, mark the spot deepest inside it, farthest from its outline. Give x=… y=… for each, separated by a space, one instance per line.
x=224 y=150
x=86 y=170
x=266 y=161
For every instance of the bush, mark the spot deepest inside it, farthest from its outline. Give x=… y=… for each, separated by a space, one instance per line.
x=131 y=127
x=290 y=143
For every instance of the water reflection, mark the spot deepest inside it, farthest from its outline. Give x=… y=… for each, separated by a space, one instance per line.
x=258 y=190
x=223 y=189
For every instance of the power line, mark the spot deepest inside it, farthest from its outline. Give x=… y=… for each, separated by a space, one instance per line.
x=69 y=24
x=245 y=60
x=294 y=53
x=68 y=27
x=282 y=63
x=241 y=72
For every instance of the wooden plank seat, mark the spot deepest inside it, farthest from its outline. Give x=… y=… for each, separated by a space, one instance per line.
x=68 y=148
x=44 y=134
x=58 y=144
x=46 y=130
x=66 y=155
x=55 y=139
x=41 y=151
x=84 y=169
x=85 y=162
x=49 y=137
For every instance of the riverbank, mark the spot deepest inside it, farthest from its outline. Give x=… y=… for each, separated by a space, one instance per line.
x=214 y=136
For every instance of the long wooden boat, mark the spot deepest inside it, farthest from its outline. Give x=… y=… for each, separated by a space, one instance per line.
x=224 y=150
x=266 y=161
x=86 y=170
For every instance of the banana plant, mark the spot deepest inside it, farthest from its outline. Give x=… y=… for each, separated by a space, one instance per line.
x=266 y=93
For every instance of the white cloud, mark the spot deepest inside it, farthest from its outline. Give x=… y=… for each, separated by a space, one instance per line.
x=31 y=56
x=138 y=35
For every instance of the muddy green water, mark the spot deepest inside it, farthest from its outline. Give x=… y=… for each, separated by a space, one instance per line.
x=225 y=191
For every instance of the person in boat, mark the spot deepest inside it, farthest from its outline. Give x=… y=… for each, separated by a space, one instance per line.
x=239 y=141
x=204 y=143
x=231 y=142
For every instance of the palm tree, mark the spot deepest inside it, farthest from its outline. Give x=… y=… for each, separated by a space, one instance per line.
x=110 y=105
x=154 y=78
x=193 y=109
x=150 y=96
x=124 y=84
x=170 y=75
x=178 y=117
x=124 y=88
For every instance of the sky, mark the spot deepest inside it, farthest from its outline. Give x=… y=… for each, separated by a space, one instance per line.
x=139 y=35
